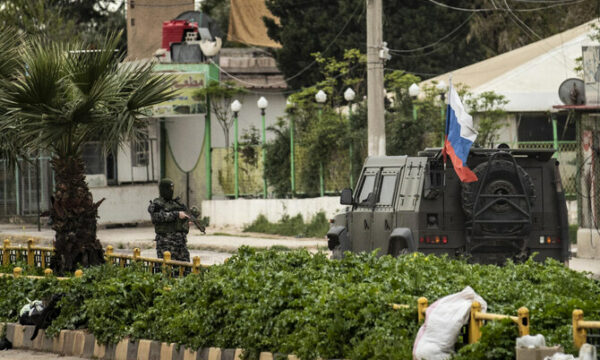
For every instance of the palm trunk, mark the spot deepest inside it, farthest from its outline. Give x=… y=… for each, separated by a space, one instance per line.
x=73 y=214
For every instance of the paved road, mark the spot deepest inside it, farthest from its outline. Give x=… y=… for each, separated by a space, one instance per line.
x=212 y=248
x=32 y=355
x=218 y=240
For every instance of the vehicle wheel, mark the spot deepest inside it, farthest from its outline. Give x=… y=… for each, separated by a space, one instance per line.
x=501 y=179
x=397 y=249
x=337 y=253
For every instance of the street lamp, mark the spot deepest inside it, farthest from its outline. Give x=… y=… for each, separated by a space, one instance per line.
x=441 y=88
x=290 y=104
x=262 y=104
x=321 y=97
x=413 y=92
x=236 y=106
x=349 y=95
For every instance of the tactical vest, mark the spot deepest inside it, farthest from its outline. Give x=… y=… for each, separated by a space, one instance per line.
x=178 y=225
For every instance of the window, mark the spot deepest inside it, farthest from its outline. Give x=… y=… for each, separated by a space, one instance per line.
x=367 y=188
x=538 y=127
x=140 y=150
x=386 y=195
x=93 y=157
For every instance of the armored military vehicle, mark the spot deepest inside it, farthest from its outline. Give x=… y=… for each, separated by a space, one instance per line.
x=405 y=204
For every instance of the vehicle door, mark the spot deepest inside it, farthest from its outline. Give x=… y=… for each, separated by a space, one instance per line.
x=362 y=214
x=383 y=214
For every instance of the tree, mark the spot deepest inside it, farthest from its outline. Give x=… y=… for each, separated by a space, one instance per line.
x=416 y=45
x=220 y=96
x=62 y=20
x=489 y=106
x=60 y=97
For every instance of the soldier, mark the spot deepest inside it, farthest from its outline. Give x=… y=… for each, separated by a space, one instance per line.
x=171 y=223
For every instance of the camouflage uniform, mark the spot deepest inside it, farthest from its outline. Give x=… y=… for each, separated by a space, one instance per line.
x=170 y=230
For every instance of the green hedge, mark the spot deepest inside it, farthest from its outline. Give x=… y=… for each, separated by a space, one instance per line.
x=308 y=305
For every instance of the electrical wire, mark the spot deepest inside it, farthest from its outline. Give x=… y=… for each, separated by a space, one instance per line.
x=306 y=68
x=435 y=42
x=136 y=4
x=500 y=9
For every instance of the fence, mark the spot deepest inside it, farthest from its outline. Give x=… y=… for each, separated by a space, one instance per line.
x=25 y=188
x=309 y=179
x=566 y=154
x=580 y=330
x=39 y=257
x=472 y=331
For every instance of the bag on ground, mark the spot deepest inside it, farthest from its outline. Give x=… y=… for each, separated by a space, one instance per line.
x=443 y=320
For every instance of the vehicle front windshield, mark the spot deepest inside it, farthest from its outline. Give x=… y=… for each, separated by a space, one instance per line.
x=386 y=195
x=366 y=192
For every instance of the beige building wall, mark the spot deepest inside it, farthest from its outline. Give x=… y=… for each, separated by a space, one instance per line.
x=144 y=24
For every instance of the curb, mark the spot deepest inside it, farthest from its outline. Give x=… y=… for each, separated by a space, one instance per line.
x=83 y=344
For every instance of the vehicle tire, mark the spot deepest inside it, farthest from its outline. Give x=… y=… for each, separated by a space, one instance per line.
x=337 y=253
x=397 y=249
x=501 y=179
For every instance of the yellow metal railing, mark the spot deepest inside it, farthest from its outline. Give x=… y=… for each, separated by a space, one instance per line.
x=422 y=305
x=477 y=319
x=155 y=265
x=39 y=256
x=580 y=327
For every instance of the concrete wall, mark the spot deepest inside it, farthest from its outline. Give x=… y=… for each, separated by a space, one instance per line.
x=588 y=243
x=242 y=212
x=144 y=24
x=124 y=204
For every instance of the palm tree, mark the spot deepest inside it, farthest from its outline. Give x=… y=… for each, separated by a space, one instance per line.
x=59 y=97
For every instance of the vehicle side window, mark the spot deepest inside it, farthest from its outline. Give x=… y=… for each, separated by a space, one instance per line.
x=386 y=195
x=367 y=188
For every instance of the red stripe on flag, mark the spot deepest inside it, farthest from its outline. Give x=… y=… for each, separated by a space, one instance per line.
x=464 y=173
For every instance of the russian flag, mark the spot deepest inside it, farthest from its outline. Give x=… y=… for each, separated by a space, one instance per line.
x=459 y=136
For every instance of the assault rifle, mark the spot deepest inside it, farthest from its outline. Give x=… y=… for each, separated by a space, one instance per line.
x=193 y=213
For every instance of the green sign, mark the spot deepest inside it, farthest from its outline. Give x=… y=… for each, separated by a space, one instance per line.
x=185 y=103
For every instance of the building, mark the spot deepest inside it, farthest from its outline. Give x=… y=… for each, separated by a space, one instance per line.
x=529 y=78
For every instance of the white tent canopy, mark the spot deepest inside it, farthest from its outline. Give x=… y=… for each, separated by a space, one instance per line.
x=529 y=76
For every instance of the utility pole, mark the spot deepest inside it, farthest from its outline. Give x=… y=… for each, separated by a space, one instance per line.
x=376 y=122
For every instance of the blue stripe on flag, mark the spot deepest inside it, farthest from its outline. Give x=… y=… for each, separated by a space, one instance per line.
x=460 y=145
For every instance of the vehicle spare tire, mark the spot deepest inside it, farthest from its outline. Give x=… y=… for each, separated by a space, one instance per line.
x=502 y=179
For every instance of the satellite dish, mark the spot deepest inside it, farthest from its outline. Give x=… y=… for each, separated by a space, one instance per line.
x=572 y=92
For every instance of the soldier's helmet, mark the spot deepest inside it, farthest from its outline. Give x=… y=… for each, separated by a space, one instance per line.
x=165 y=189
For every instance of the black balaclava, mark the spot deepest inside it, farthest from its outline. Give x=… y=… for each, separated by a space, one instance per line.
x=165 y=189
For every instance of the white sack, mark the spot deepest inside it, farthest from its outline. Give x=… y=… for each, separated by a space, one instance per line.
x=529 y=341
x=587 y=352
x=443 y=320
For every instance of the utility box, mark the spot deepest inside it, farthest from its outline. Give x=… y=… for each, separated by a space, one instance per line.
x=537 y=353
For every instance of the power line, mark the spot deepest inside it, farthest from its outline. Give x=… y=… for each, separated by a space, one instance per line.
x=563 y=3
x=302 y=71
x=437 y=41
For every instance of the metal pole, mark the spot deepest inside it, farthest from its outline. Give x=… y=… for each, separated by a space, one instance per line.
x=351 y=147
x=554 y=134
x=443 y=118
x=163 y=149
x=375 y=96
x=264 y=141
x=187 y=189
x=414 y=112
x=28 y=188
x=292 y=164
x=5 y=183
x=235 y=155
x=17 y=189
x=37 y=191
x=321 y=181
x=207 y=135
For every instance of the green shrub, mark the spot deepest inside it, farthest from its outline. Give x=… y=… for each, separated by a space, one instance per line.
x=291 y=226
x=305 y=304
